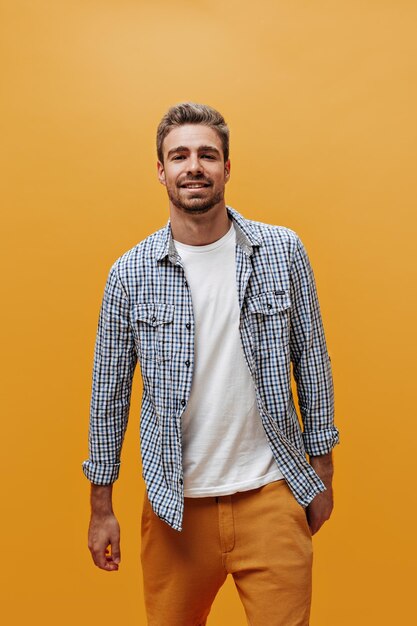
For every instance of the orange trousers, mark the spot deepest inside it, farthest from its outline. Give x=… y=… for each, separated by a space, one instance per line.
x=261 y=537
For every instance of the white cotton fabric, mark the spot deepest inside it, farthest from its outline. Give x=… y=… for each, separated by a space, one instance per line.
x=224 y=445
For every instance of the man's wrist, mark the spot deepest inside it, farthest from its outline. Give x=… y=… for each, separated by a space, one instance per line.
x=101 y=500
x=323 y=466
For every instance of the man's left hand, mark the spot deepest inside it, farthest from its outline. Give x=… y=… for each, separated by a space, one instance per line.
x=320 y=508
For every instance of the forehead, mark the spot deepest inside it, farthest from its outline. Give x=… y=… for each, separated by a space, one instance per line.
x=192 y=136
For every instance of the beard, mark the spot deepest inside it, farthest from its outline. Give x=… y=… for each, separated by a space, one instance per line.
x=194 y=204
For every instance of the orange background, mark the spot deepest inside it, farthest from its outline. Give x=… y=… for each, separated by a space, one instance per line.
x=321 y=102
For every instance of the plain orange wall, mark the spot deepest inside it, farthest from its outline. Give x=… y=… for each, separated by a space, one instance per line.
x=321 y=102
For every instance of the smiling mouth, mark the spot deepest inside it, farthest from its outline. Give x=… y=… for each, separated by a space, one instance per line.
x=194 y=185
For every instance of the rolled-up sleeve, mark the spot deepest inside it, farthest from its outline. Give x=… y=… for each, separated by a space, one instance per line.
x=310 y=359
x=114 y=365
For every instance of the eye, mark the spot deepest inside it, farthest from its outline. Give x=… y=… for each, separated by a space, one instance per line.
x=178 y=157
x=208 y=156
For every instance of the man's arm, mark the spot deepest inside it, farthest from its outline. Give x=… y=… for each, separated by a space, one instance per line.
x=104 y=530
x=320 y=508
x=114 y=365
x=312 y=373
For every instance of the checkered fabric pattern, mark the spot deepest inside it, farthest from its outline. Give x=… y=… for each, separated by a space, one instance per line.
x=147 y=316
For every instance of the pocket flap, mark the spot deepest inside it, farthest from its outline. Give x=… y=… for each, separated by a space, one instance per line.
x=153 y=313
x=269 y=303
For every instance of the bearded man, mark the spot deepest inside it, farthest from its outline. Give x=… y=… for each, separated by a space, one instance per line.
x=215 y=308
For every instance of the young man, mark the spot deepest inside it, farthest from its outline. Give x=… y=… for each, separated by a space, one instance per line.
x=215 y=308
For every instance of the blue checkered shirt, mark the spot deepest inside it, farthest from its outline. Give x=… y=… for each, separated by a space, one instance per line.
x=147 y=316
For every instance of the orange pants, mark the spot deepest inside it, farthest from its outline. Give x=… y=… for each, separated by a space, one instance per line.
x=261 y=537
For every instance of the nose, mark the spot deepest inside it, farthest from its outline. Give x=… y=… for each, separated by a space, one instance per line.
x=194 y=165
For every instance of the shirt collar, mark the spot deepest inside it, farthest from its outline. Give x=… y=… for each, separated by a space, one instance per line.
x=245 y=237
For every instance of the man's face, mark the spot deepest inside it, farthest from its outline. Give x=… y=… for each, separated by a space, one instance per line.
x=194 y=171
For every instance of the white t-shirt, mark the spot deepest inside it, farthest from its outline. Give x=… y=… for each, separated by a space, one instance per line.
x=224 y=445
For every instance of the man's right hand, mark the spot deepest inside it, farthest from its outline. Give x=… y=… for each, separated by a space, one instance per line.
x=103 y=534
x=104 y=530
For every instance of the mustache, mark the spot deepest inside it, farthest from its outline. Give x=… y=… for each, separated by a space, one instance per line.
x=195 y=179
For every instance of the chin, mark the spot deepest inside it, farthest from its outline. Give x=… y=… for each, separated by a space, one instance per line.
x=197 y=209
x=196 y=205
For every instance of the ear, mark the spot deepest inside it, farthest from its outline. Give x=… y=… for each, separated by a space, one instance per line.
x=227 y=170
x=161 y=173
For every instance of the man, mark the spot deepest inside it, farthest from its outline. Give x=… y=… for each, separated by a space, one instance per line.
x=215 y=308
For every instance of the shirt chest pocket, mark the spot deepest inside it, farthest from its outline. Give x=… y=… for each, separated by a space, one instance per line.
x=269 y=314
x=153 y=327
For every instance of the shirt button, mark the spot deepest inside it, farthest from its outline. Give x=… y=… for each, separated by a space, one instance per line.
x=154 y=319
x=187 y=362
x=188 y=326
x=181 y=481
x=269 y=305
x=185 y=283
x=182 y=402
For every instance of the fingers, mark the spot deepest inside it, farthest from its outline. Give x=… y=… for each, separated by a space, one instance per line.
x=101 y=557
x=319 y=510
x=315 y=525
x=115 y=550
x=102 y=537
x=104 y=560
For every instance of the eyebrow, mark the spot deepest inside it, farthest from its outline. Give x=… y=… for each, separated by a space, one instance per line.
x=200 y=149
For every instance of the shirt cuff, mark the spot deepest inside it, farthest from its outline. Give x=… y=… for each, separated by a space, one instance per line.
x=101 y=474
x=318 y=442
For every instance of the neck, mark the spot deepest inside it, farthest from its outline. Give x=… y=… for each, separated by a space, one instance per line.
x=199 y=230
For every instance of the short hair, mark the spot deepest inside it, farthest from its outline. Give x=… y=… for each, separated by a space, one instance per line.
x=192 y=113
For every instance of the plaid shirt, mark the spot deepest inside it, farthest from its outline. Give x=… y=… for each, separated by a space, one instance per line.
x=147 y=316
